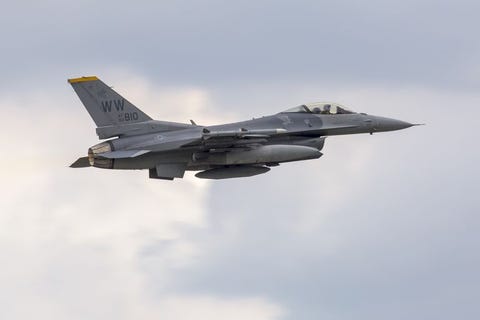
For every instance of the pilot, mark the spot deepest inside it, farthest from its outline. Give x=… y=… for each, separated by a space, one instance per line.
x=326 y=109
x=316 y=110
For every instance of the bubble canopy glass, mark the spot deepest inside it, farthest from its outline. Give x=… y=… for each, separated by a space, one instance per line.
x=321 y=108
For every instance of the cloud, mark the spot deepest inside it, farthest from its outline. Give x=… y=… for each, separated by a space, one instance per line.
x=366 y=230
x=379 y=227
x=307 y=239
x=344 y=42
x=70 y=238
x=214 y=308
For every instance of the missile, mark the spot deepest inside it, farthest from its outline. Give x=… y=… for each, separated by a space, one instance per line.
x=242 y=133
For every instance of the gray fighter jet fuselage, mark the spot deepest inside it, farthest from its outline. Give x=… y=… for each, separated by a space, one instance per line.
x=240 y=149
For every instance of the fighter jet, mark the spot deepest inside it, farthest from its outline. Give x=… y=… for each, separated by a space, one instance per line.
x=232 y=150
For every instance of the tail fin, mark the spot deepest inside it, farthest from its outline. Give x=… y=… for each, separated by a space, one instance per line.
x=105 y=106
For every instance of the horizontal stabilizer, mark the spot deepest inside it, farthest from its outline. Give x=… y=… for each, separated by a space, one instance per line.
x=80 y=163
x=123 y=154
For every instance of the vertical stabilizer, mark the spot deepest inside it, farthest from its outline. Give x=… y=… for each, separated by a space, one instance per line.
x=105 y=106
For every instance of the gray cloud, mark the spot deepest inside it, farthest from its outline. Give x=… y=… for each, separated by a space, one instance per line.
x=211 y=42
x=380 y=227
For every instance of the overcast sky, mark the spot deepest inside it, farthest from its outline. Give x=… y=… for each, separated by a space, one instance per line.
x=381 y=227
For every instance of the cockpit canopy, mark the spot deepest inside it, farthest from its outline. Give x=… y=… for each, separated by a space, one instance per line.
x=321 y=108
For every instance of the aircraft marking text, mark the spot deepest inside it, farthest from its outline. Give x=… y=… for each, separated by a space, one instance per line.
x=127 y=116
x=118 y=104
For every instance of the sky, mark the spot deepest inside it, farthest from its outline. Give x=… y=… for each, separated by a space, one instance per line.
x=382 y=226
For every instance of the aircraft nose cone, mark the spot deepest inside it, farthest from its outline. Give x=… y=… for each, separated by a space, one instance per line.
x=387 y=124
